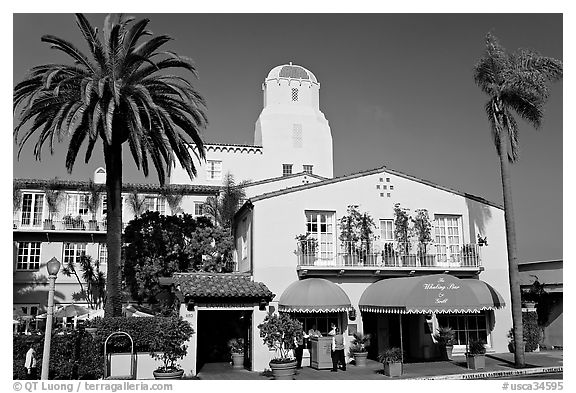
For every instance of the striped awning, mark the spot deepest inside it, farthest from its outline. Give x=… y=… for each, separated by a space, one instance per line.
x=314 y=295
x=431 y=294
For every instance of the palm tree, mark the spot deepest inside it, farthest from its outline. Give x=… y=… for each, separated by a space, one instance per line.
x=117 y=96
x=223 y=207
x=516 y=83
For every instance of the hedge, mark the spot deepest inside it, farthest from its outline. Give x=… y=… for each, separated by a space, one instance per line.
x=73 y=355
x=532 y=332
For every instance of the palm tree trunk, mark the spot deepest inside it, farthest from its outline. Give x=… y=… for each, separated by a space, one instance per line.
x=113 y=159
x=512 y=253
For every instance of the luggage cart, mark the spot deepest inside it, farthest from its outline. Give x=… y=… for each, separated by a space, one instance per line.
x=108 y=359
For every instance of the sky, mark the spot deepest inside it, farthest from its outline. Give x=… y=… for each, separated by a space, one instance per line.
x=397 y=90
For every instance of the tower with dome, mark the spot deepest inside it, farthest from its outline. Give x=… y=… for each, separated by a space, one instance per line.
x=291 y=136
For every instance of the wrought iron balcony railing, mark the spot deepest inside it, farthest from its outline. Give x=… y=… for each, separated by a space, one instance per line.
x=387 y=254
x=72 y=224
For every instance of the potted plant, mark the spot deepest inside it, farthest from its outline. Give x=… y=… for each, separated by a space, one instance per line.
x=359 y=348
x=350 y=234
x=307 y=247
x=168 y=346
x=475 y=355
x=16 y=203
x=53 y=196
x=392 y=360
x=469 y=255
x=423 y=229
x=366 y=227
x=279 y=333
x=389 y=255
x=93 y=202
x=445 y=338
x=402 y=235
x=236 y=346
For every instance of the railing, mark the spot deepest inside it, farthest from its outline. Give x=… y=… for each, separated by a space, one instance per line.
x=387 y=254
x=74 y=224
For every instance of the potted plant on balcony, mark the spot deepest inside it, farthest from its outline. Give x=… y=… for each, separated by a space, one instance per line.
x=167 y=345
x=307 y=247
x=469 y=255
x=279 y=333
x=423 y=230
x=445 y=338
x=475 y=355
x=366 y=227
x=53 y=195
x=350 y=235
x=402 y=235
x=392 y=360
x=389 y=255
x=359 y=348
x=93 y=202
x=236 y=346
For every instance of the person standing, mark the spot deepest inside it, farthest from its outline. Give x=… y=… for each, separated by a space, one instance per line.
x=30 y=364
x=299 y=349
x=332 y=329
x=338 y=344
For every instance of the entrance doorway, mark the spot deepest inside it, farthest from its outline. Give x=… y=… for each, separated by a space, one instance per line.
x=215 y=328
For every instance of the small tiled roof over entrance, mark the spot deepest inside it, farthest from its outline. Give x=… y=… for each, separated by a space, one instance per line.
x=228 y=286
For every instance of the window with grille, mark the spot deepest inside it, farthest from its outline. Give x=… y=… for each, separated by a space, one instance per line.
x=73 y=252
x=214 y=169
x=471 y=325
x=308 y=169
x=387 y=230
x=104 y=204
x=198 y=208
x=294 y=94
x=32 y=209
x=103 y=253
x=28 y=256
x=28 y=309
x=447 y=231
x=320 y=225
x=297 y=136
x=154 y=204
x=286 y=169
x=77 y=204
x=321 y=321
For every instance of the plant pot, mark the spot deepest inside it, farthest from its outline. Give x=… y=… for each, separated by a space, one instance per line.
x=360 y=358
x=48 y=224
x=93 y=225
x=393 y=369
x=237 y=360
x=283 y=371
x=512 y=346
x=168 y=374
x=475 y=362
x=448 y=352
x=308 y=260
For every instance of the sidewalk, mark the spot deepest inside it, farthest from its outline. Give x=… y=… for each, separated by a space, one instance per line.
x=496 y=365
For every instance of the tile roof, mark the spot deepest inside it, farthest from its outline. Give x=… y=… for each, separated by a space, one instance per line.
x=78 y=185
x=220 y=285
x=382 y=169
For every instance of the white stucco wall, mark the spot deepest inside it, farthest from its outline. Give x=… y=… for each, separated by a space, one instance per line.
x=279 y=184
x=277 y=220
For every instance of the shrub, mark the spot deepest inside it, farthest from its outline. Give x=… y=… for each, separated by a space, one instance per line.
x=444 y=336
x=360 y=343
x=532 y=332
x=390 y=355
x=279 y=333
x=476 y=347
x=236 y=345
x=74 y=355
x=168 y=341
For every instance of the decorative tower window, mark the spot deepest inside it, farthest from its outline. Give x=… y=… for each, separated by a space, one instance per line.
x=297 y=137
x=286 y=169
x=294 y=94
x=308 y=169
x=214 y=169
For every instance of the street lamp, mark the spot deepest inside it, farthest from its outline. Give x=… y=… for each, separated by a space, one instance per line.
x=53 y=267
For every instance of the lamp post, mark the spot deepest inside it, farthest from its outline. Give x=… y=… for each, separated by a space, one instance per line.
x=53 y=267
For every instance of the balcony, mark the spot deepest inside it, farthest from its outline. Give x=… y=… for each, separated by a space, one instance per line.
x=378 y=257
x=65 y=224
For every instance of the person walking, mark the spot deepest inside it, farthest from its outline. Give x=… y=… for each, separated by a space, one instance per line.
x=338 y=344
x=30 y=364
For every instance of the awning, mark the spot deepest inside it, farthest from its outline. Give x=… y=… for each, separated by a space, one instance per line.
x=431 y=294
x=314 y=295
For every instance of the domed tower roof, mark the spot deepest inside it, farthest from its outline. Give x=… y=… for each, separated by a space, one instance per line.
x=291 y=71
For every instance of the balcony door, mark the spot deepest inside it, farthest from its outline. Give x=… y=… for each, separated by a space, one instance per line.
x=32 y=209
x=448 y=232
x=320 y=225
